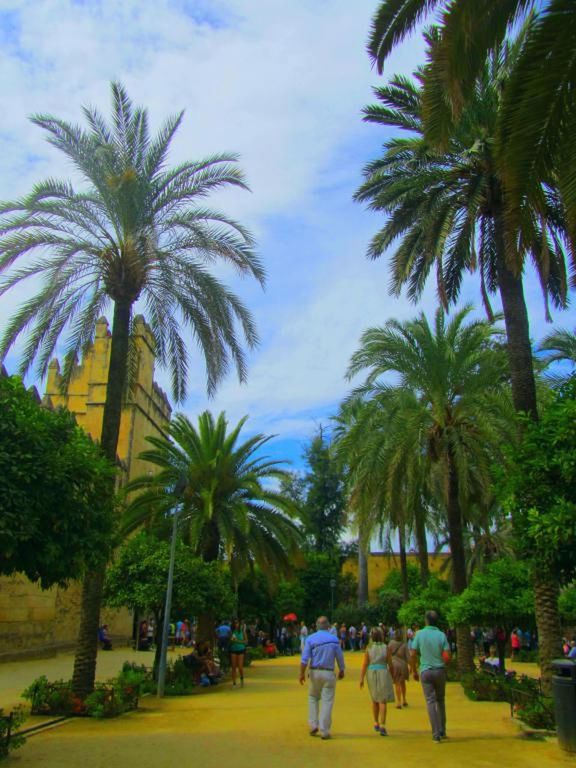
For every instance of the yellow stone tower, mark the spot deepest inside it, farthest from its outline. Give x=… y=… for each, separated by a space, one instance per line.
x=32 y=620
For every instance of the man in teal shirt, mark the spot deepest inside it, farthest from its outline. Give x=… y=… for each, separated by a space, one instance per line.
x=432 y=645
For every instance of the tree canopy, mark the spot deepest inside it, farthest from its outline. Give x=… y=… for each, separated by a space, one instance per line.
x=499 y=595
x=137 y=580
x=540 y=489
x=56 y=496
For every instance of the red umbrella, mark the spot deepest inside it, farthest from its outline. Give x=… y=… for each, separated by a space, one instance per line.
x=290 y=617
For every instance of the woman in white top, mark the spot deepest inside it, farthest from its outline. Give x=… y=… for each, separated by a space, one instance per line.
x=376 y=670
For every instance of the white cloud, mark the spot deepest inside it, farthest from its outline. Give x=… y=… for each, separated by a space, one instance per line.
x=282 y=82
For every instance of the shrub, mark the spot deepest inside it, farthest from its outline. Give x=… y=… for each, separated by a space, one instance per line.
x=253 y=654
x=52 y=698
x=522 y=692
x=537 y=713
x=9 y=740
x=527 y=656
x=179 y=679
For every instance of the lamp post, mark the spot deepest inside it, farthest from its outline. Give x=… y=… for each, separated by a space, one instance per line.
x=178 y=489
x=332 y=586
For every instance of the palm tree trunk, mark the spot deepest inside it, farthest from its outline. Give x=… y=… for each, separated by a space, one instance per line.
x=464 y=644
x=524 y=395
x=87 y=642
x=403 y=562
x=548 y=623
x=362 y=575
x=422 y=544
x=519 y=347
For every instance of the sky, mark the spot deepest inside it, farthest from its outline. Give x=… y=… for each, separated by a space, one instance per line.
x=282 y=83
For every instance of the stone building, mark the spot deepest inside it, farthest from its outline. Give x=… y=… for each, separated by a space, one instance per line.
x=34 y=621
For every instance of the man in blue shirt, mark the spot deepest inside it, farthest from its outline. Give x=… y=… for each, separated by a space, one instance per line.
x=321 y=653
x=434 y=649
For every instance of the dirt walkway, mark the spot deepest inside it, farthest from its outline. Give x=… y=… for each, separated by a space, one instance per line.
x=264 y=724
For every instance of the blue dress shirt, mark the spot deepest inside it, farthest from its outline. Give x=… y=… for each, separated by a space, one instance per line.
x=322 y=649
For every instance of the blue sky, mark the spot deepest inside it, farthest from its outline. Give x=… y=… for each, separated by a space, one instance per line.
x=281 y=82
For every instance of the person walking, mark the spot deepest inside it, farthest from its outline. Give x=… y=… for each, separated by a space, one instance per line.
x=343 y=636
x=432 y=646
x=377 y=670
x=303 y=635
x=321 y=653
x=238 y=643
x=399 y=660
x=223 y=633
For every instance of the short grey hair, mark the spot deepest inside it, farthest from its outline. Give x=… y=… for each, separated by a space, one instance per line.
x=322 y=622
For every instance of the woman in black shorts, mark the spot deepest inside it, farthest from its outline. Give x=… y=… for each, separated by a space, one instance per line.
x=238 y=642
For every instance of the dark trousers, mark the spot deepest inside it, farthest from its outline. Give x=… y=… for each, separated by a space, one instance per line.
x=434 y=687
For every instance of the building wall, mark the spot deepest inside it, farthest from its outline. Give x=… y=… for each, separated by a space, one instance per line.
x=381 y=563
x=35 y=620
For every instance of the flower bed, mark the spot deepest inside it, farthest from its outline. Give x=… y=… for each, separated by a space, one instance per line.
x=109 y=699
x=524 y=694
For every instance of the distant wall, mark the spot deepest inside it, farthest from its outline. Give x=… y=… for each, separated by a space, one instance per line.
x=381 y=563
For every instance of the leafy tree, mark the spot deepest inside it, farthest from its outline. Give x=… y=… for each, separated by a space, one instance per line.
x=500 y=595
x=442 y=423
x=137 y=232
x=229 y=509
x=290 y=597
x=55 y=488
x=255 y=598
x=540 y=491
x=539 y=112
x=315 y=577
x=293 y=486
x=137 y=580
x=324 y=506
x=567 y=605
x=394 y=580
x=447 y=209
x=435 y=596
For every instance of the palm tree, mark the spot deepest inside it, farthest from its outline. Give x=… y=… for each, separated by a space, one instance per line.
x=448 y=211
x=452 y=210
x=447 y=415
x=359 y=435
x=539 y=110
x=231 y=510
x=136 y=232
x=562 y=344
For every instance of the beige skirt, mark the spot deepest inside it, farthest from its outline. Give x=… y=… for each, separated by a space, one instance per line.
x=380 y=685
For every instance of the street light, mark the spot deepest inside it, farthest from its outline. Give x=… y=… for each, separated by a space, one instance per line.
x=178 y=490
x=332 y=586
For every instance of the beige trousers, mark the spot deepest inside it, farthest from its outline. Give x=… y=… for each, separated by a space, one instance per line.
x=321 y=692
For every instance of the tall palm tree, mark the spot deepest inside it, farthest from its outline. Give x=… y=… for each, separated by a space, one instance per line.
x=447 y=210
x=137 y=231
x=230 y=508
x=448 y=414
x=358 y=437
x=454 y=210
x=540 y=111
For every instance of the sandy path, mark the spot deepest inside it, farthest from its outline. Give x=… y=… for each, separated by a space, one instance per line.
x=264 y=724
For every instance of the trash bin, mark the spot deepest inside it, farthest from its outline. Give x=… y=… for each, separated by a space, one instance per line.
x=564 y=693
